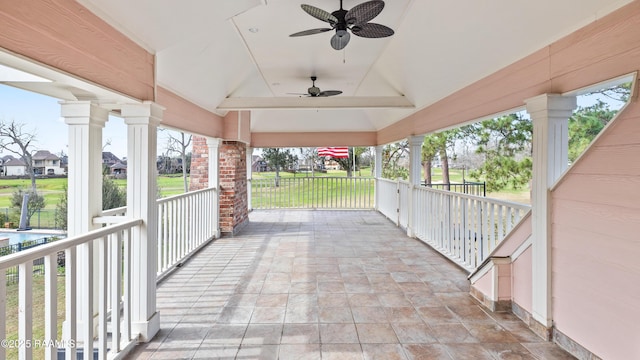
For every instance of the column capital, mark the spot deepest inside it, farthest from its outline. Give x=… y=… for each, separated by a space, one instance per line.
x=83 y=113
x=213 y=142
x=554 y=105
x=143 y=113
x=416 y=140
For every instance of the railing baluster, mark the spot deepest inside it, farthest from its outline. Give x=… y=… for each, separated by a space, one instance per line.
x=25 y=309
x=3 y=310
x=116 y=292
x=50 y=304
x=86 y=275
x=126 y=288
x=70 y=268
x=102 y=297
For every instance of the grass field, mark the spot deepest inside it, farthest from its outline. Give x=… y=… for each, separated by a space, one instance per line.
x=455 y=176
x=11 y=316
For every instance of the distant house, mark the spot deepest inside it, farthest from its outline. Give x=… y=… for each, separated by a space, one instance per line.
x=108 y=159
x=46 y=163
x=119 y=170
x=258 y=164
x=14 y=167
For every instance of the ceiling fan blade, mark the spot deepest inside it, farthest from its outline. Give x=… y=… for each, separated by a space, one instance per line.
x=340 y=40
x=330 y=93
x=311 y=32
x=299 y=94
x=319 y=14
x=363 y=13
x=371 y=30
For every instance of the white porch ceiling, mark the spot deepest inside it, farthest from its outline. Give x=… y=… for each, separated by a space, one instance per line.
x=237 y=54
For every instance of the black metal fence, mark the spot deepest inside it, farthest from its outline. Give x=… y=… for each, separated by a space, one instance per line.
x=466 y=187
x=38 y=264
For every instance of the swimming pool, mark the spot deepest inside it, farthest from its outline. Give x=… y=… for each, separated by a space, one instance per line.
x=16 y=237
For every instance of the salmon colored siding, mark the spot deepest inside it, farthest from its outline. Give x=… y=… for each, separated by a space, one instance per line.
x=485 y=283
x=596 y=222
x=521 y=270
x=65 y=35
x=313 y=139
x=182 y=114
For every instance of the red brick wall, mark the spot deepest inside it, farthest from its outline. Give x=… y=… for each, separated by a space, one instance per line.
x=199 y=176
x=234 y=212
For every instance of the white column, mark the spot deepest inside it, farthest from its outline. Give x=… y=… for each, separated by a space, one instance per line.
x=377 y=167
x=213 y=144
x=249 y=173
x=415 y=159
x=550 y=114
x=415 y=169
x=142 y=123
x=85 y=122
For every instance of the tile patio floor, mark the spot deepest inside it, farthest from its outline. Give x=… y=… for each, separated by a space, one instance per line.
x=329 y=285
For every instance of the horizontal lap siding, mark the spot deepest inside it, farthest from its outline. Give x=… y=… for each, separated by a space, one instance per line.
x=596 y=243
x=182 y=114
x=522 y=280
x=65 y=35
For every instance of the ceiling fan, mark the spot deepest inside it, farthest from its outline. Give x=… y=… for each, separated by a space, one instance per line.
x=357 y=20
x=314 y=91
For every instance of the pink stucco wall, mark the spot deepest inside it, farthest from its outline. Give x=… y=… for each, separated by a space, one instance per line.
x=521 y=285
x=596 y=244
x=483 y=284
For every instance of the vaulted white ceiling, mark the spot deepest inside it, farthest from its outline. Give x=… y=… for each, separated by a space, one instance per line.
x=223 y=54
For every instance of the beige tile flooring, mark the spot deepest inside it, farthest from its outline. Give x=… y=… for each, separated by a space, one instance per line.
x=329 y=285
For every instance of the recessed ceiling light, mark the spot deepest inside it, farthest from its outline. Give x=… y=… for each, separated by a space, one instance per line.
x=254 y=30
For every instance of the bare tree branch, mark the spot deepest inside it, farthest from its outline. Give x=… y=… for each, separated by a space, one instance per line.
x=12 y=136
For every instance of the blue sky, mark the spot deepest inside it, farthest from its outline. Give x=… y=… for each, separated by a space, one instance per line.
x=41 y=115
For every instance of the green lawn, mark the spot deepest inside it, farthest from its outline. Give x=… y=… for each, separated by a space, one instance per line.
x=11 y=316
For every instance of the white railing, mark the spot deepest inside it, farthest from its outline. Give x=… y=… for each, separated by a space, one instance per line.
x=313 y=193
x=186 y=222
x=465 y=228
x=404 y=193
x=112 y=269
x=387 y=198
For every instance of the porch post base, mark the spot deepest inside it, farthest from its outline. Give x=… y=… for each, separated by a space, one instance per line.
x=146 y=329
x=538 y=328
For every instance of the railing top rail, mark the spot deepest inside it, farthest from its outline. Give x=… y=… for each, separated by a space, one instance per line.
x=114 y=211
x=387 y=180
x=316 y=177
x=60 y=245
x=184 y=195
x=476 y=197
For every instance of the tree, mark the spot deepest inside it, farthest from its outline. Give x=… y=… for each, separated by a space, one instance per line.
x=180 y=145
x=311 y=157
x=585 y=124
x=12 y=136
x=438 y=145
x=35 y=203
x=391 y=157
x=348 y=163
x=61 y=209
x=505 y=143
x=112 y=195
x=278 y=158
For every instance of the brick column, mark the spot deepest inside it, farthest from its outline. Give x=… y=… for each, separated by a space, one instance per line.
x=234 y=213
x=198 y=178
